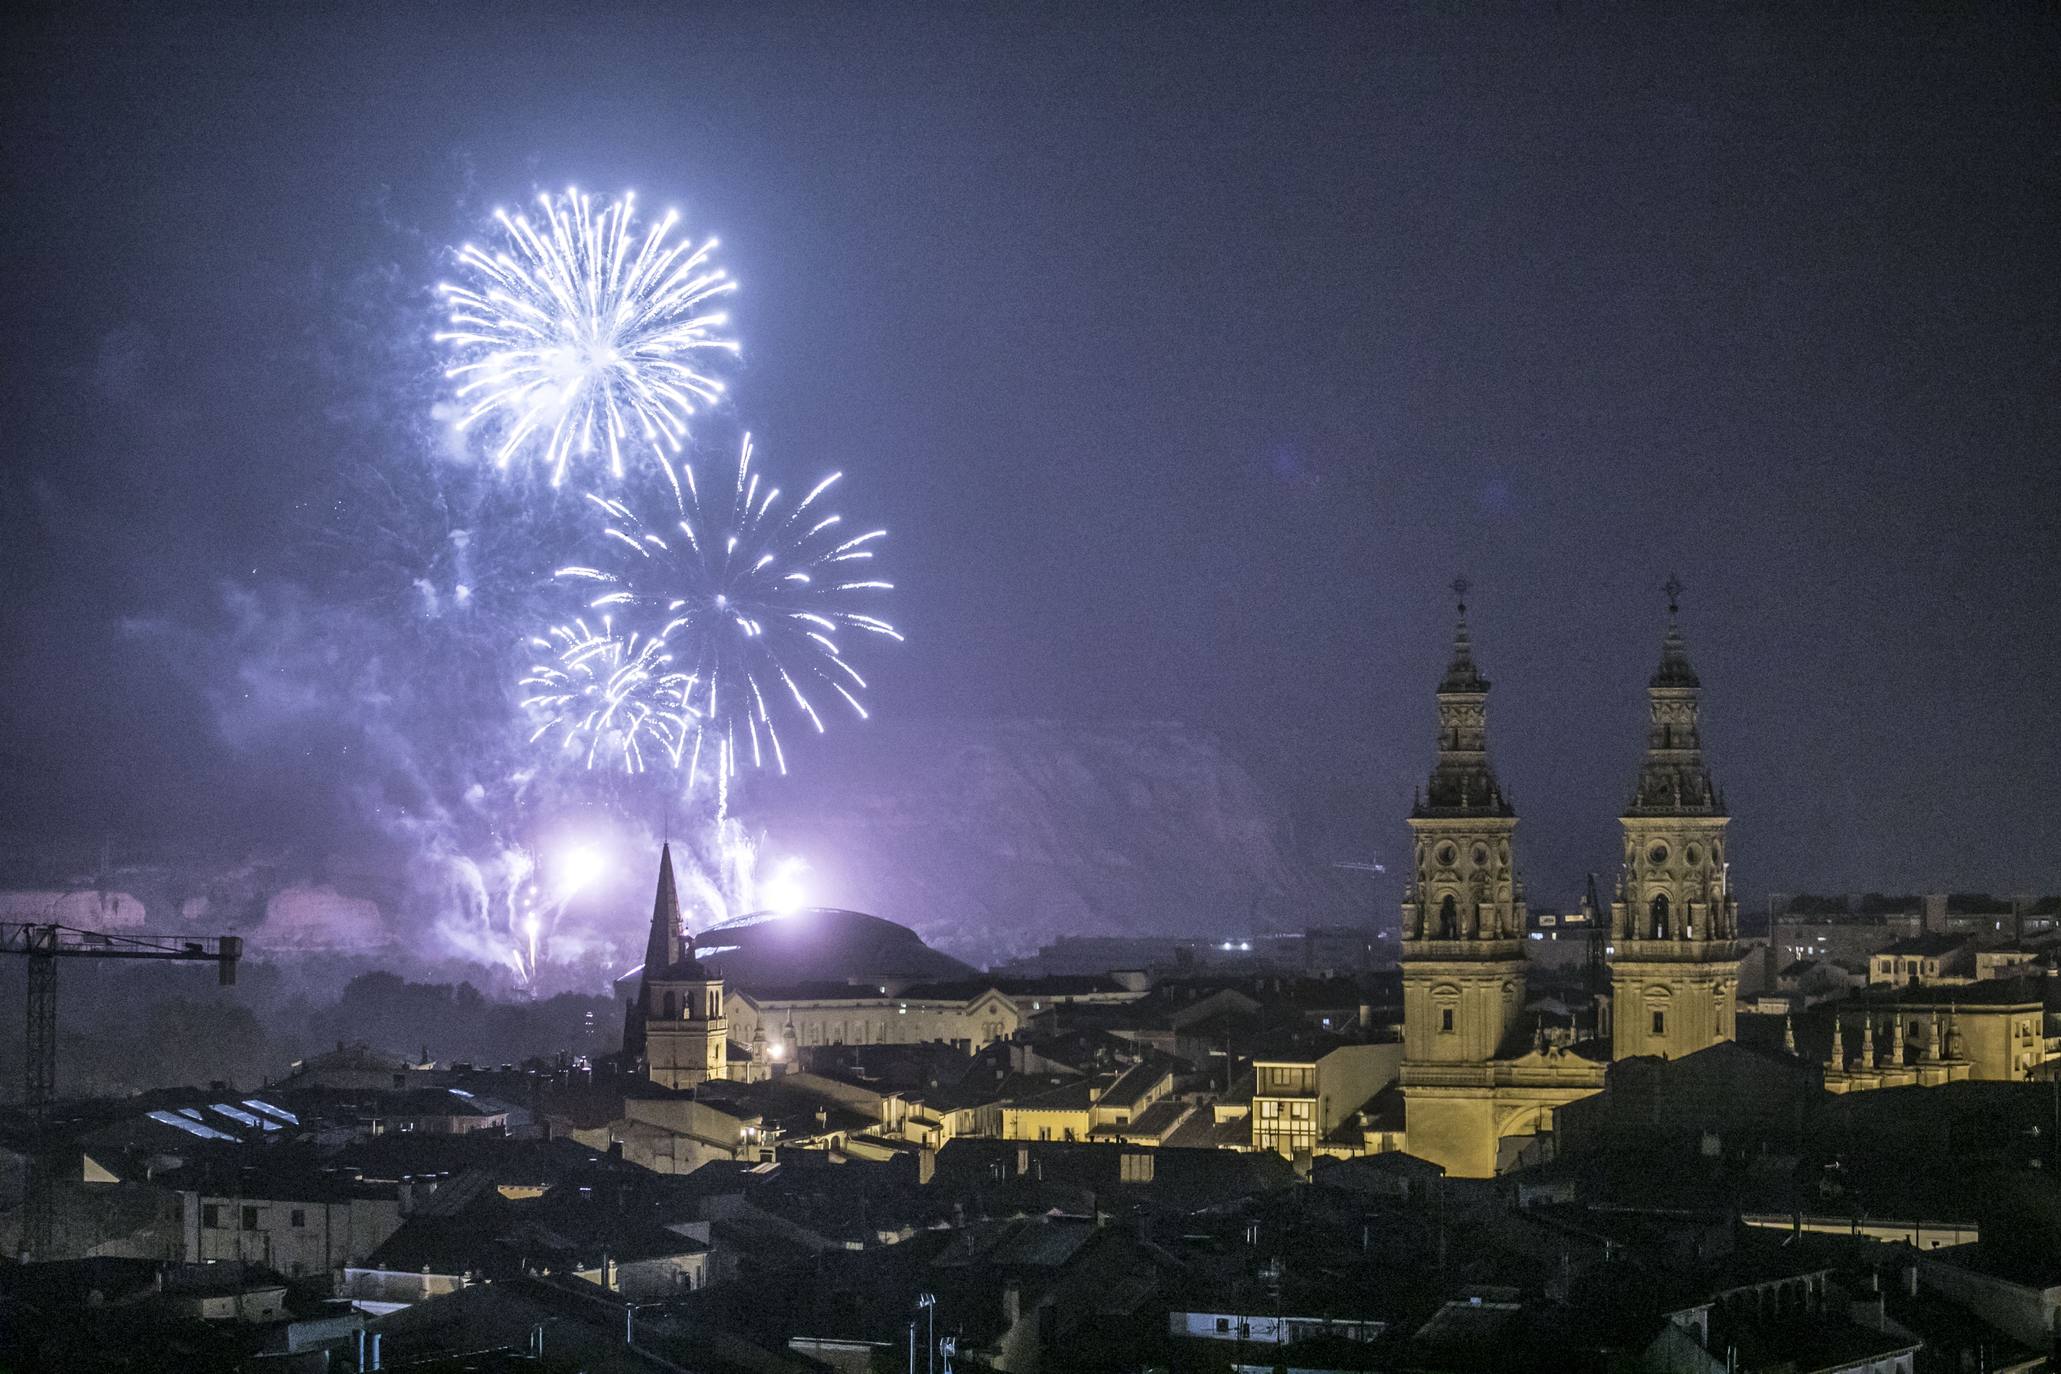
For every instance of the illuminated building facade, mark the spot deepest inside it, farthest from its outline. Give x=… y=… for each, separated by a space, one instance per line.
x=675 y=1029
x=1476 y=1088
x=1674 y=928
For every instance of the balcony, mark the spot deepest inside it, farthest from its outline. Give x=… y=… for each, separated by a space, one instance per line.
x=1471 y=951
x=1674 y=951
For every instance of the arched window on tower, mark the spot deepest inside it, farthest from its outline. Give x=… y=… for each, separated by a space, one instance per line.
x=1448 y=919
x=1660 y=917
x=672 y=1007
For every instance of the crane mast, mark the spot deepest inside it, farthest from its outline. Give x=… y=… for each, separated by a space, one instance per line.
x=42 y=944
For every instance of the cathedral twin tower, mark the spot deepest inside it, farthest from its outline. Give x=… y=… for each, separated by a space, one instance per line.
x=1479 y=1086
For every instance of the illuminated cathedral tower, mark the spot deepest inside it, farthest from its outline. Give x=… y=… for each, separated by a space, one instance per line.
x=1674 y=928
x=675 y=1031
x=1463 y=923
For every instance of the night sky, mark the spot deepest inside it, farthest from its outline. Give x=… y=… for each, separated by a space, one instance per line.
x=1189 y=352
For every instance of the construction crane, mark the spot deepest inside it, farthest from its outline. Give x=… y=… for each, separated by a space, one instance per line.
x=43 y=944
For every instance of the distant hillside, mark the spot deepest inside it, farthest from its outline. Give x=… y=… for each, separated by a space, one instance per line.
x=991 y=838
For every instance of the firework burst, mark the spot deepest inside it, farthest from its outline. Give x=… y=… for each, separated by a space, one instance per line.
x=609 y=697
x=743 y=604
x=585 y=336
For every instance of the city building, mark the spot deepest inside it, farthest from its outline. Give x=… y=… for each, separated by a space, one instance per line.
x=1300 y=1101
x=1477 y=1088
x=1947 y=959
x=2001 y=1030
x=969 y=1015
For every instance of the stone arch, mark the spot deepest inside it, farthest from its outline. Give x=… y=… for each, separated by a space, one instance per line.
x=1448 y=918
x=1658 y=917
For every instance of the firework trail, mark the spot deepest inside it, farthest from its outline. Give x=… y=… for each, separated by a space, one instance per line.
x=740 y=602
x=585 y=336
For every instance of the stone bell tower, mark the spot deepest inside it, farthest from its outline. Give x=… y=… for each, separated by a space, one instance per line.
x=676 y=1030
x=1462 y=930
x=1674 y=928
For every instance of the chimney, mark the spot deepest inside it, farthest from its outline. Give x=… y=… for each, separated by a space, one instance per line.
x=926 y=1166
x=1910 y=1277
x=1012 y=1304
x=1022 y=1160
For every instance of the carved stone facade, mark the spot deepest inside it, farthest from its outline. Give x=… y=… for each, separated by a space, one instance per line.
x=1674 y=928
x=1476 y=1088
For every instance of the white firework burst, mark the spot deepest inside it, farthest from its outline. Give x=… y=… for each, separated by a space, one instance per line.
x=608 y=697
x=744 y=604
x=586 y=337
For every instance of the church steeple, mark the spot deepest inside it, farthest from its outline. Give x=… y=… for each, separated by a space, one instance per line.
x=663 y=948
x=1675 y=781
x=676 y=1029
x=1462 y=782
x=1461 y=673
x=1675 y=925
x=1463 y=922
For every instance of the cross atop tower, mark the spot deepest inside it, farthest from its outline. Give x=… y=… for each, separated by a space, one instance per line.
x=1674 y=589
x=1461 y=586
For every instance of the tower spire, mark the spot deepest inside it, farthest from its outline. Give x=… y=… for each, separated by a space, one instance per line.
x=1462 y=782
x=1674 y=780
x=662 y=949
x=1676 y=923
x=1674 y=669
x=1461 y=673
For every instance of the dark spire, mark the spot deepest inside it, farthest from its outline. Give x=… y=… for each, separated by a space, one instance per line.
x=1461 y=673
x=1674 y=670
x=662 y=950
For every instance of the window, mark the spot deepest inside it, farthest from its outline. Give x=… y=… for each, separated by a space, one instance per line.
x=1270 y=1108
x=1659 y=915
x=1299 y=1110
x=1660 y=1023
x=1223 y=1323
x=298 y=1218
x=250 y=1218
x=1448 y=919
x=1445 y=1019
x=211 y=1216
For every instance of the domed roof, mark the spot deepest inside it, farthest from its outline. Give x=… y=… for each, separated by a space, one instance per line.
x=815 y=944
